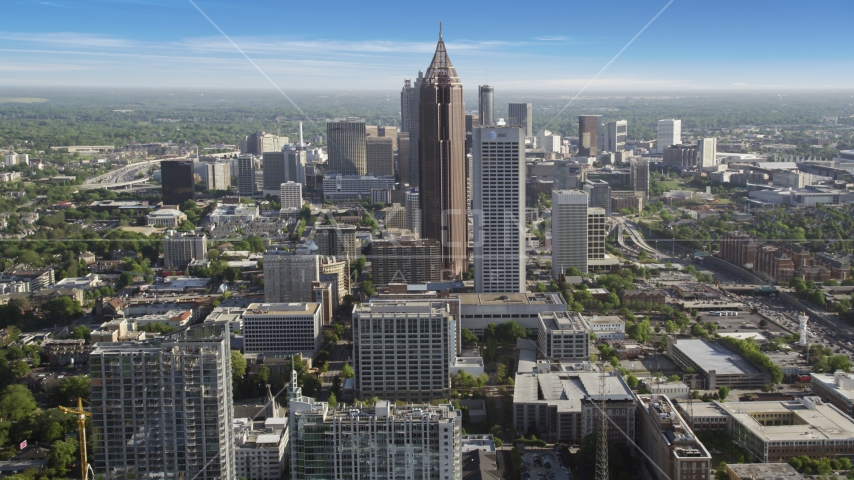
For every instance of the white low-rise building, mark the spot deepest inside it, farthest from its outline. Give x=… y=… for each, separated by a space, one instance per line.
x=563 y=336
x=282 y=328
x=83 y=283
x=166 y=217
x=231 y=213
x=607 y=327
x=260 y=454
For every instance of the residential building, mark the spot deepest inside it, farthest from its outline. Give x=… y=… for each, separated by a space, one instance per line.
x=246 y=185
x=403 y=351
x=442 y=161
x=486 y=105
x=354 y=187
x=668 y=441
x=669 y=133
x=337 y=271
x=707 y=152
x=283 y=328
x=588 y=129
x=261 y=454
x=499 y=209
x=381 y=441
x=288 y=276
x=337 y=240
x=413 y=211
x=639 y=175
x=179 y=249
x=599 y=195
x=563 y=336
x=379 y=153
x=614 y=134
x=290 y=195
x=346 y=140
x=406 y=261
x=175 y=421
x=521 y=115
x=565 y=406
x=177 y=181
x=716 y=364
x=166 y=217
x=569 y=231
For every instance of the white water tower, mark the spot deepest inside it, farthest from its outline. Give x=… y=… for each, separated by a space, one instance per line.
x=802 y=319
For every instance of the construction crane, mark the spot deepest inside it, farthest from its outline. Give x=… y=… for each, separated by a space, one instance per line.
x=602 y=440
x=81 y=433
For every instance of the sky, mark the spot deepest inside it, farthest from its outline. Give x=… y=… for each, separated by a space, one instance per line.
x=520 y=46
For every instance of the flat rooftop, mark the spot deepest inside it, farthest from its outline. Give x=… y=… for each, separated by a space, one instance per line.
x=824 y=422
x=281 y=309
x=510 y=299
x=714 y=356
x=829 y=381
x=749 y=471
x=565 y=321
x=567 y=390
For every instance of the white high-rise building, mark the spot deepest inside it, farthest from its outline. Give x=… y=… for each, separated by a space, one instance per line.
x=613 y=138
x=291 y=195
x=217 y=176
x=569 y=231
x=288 y=276
x=708 y=152
x=283 y=328
x=15 y=159
x=246 y=185
x=669 y=133
x=162 y=408
x=548 y=141
x=382 y=335
x=498 y=179
x=179 y=249
x=413 y=211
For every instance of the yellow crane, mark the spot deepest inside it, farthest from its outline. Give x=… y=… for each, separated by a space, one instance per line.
x=81 y=433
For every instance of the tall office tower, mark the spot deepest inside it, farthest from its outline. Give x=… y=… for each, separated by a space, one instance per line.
x=413 y=211
x=179 y=249
x=283 y=328
x=273 y=167
x=597 y=230
x=469 y=183
x=246 y=176
x=614 y=136
x=407 y=96
x=588 y=129
x=295 y=159
x=382 y=132
x=163 y=407
x=258 y=143
x=569 y=231
x=498 y=197
x=486 y=110
x=383 y=441
x=177 y=179
x=217 y=176
x=599 y=194
x=381 y=333
x=471 y=122
x=415 y=132
x=290 y=195
x=568 y=175
x=549 y=142
x=288 y=276
x=346 y=149
x=337 y=241
x=405 y=261
x=442 y=162
x=379 y=153
x=403 y=157
x=639 y=175
x=682 y=156
x=669 y=133
x=708 y=152
x=521 y=115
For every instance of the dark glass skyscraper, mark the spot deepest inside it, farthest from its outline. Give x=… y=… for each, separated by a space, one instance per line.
x=588 y=132
x=177 y=179
x=521 y=115
x=442 y=161
x=486 y=96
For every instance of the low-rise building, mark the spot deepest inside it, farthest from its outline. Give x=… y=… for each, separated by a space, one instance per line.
x=479 y=310
x=283 y=328
x=835 y=388
x=761 y=471
x=669 y=441
x=66 y=352
x=563 y=336
x=607 y=327
x=717 y=364
x=234 y=213
x=260 y=454
x=166 y=217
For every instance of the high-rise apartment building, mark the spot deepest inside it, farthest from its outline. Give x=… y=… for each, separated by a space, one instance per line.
x=413 y=211
x=708 y=152
x=290 y=195
x=442 y=162
x=383 y=336
x=639 y=175
x=599 y=194
x=597 y=230
x=177 y=180
x=486 y=110
x=521 y=115
x=669 y=133
x=337 y=240
x=288 y=276
x=379 y=153
x=498 y=196
x=384 y=441
x=614 y=136
x=588 y=130
x=179 y=249
x=405 y=261
x=162 y=408
x=569 y=231
x=415 y=132
x=246 y=185
x=346 y=141
x=283 y=328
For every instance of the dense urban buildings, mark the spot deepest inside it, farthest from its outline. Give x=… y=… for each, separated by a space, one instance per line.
x=413 y=211
x=177 y=179
x=346 y=140
x=403 y=351
x=283 y=328
x=442 y=162
x=288 y=276
x=179 y=249
x=669 y=133
x=486 y=106
x=499 y=209
x=354 y=187
x=669 y=442
x=337 y=241
x=521 y=115
x=569 y=231
x=163 y=407
x=588 y=129
x=405 y=261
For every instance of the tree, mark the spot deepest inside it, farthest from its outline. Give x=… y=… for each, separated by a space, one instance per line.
x=16 y=403
x=632 y=381
x=81 y=333
x=68 y=390
x=62 y=309
x=468 y=337
x=238 y=366
x=541 y=288
x=263 y=375
x=332 y=400
x=157 y=327
x=723 y=391
x=62 y=454
x=125 y=279
x=673 y=378
x=347 y=371
x=763 y=323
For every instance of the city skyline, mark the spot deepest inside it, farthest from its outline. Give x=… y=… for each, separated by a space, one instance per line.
x=60 y=43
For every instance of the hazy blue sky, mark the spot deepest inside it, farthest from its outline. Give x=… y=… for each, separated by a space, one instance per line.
x=560 y=45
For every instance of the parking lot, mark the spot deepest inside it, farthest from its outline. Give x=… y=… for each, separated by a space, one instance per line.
x=544 y=465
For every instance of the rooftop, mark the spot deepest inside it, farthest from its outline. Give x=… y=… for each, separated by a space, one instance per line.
x=569 y=321
x=567 y=391
x=282 y=309
x=510 y=299
x=763 y=471
x=713 y=356
x=810 y=419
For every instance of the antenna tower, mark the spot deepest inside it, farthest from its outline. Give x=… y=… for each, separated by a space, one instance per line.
x=602 y=440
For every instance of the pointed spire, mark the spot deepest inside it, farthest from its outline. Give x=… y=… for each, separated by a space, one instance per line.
x=441 y=70
x=440 y=30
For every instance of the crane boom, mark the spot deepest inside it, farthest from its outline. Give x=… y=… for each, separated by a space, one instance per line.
x=81 y=433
